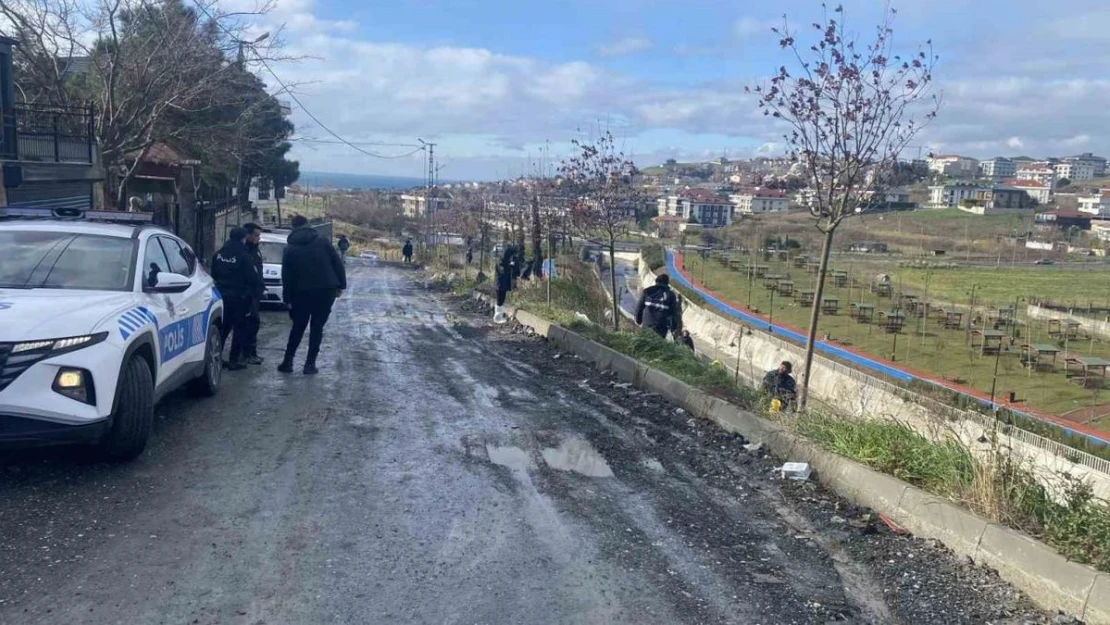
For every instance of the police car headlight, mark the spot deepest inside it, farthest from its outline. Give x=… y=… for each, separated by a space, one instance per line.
x=53 y=347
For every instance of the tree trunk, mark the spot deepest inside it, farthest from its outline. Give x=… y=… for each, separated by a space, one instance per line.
x=278 y=200
x=537 y=239
x=814 y=317
x=613 y=283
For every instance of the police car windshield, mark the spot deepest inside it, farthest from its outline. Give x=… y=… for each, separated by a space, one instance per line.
x=271 y=251
x=60 y=260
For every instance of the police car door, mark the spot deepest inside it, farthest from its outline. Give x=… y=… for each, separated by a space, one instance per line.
x=172 y=336
x=196 y=303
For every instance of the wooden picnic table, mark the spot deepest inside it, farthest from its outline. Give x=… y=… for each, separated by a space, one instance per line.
x=882 y=289
x=950 y=320
x=771 y=280
x=801 y=261
x=785 y=288
x=840 y=278
x=830 y=305
x=990 y=341
x=1085 y=366
x=1061 y=329
x=892 y=321
x=757 y=271
x=813 y=268
x=1031 y=354
x=862 y=312
x=805 y=297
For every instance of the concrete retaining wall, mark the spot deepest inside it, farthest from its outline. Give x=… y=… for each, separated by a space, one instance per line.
x=848 y=392
x=1047 y=577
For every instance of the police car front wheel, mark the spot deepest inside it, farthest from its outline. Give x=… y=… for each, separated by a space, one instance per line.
x=133 y=416
x=208 y=384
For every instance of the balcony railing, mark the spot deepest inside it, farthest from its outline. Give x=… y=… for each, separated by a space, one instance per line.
x=48 y=134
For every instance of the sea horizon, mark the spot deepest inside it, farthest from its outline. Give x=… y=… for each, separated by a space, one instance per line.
x=339 y=180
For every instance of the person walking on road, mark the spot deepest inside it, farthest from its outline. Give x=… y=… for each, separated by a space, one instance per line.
x=254 y=320
x=313 y=276
x=406 y=251
x=343 y=244
x=469 y=257
x=659 y=309
x=239 y=282
x=506 y=271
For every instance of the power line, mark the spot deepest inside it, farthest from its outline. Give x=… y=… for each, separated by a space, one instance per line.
x=292 y=95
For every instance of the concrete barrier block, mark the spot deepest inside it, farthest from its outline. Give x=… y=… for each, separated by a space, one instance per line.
x=1098 y=602
x=739 y=421
x=672 y=389
x=932 y=517
x=582 y=347
x=538 y=324
x=625 y=367
x=698 y=402
x=1046 y=576
x=557 y=335
x=879 y=492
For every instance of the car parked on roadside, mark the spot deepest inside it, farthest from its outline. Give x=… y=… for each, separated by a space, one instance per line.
x=272 y=246
x=98 y=321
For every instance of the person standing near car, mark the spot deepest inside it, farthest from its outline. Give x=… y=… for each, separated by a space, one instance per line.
x=239 y=283
x=343 y=244
x=659 y=309
x=312 y=277
x=254 y=320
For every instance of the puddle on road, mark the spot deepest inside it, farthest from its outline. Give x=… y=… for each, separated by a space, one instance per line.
x=514 y=458
x=578 y=456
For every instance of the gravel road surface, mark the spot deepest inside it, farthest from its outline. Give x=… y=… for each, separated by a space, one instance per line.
x=440 y=471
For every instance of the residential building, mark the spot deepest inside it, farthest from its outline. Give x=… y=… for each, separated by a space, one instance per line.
x=1101 y=230
x=954 y=166
x=668 y=225
x=416 y=205
x=1035 y=189
x=1097 y=204
x=1063 y=219
x=977 y=198
x=707 y=210
x=49 y=153
x=998 y=168
x=759 y=200
x=1097 y=163
x=1040 y=173
x=1075 y=172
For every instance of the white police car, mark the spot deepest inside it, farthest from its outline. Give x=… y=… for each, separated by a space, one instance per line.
x=98 y=321
x=272 y=246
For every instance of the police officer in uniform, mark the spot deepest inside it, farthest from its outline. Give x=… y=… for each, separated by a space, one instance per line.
x=659 y=308
x=254 y=321
x=239 y=282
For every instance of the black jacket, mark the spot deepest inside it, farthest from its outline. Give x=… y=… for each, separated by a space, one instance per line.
x=311 y=263
x=256 y=255
x=780 y=385
x=344 y=244
x=506 y=271
x=659 y=310
x=407 y=249
x=234 y=271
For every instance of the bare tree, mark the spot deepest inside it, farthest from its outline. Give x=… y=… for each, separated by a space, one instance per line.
x=159 y=71
x=850 y=108
x=606 y=199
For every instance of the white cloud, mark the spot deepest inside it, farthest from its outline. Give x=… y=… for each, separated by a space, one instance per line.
x=1015 y=143
x=746 y=27
x=625 y=46
x=1077 y=141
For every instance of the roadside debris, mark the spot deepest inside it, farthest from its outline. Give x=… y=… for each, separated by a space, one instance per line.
x=796 y=471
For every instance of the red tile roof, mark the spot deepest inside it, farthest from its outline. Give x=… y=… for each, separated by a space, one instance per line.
x=1025 y=183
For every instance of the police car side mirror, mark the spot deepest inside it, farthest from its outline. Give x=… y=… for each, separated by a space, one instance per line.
x=169 y=283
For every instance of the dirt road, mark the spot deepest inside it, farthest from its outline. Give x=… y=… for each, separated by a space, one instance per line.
x=440 y=472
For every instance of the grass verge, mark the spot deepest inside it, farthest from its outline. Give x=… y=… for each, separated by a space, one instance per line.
x=1077 y=524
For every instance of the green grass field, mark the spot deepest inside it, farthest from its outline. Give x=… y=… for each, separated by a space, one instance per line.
x=923 y=345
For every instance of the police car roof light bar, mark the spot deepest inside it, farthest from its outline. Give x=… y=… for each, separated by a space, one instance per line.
x=74 y=214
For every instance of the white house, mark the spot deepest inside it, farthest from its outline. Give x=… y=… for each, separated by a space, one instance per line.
x=1040 y=173
x=1097 y=204
x=416 y=204
x=707 y=210
x=998 y=168
x=1037 y=190
x=757 y=200
x=952 y=194
x=1075 y=171
x=954 y=166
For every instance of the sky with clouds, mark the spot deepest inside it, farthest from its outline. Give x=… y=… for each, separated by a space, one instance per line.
x=497 y=84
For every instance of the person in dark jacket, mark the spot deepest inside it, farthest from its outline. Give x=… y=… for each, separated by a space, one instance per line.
x=239 y=282
x=406 y=251
x=254 y=320
x=687 y=340
x=659 y=308
x=469 y=256
x=343 y=244
x=506 y=271
x=312 y=277
x=780 y=384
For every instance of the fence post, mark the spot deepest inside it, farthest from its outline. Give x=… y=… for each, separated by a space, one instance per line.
x=57 y=148
x=90 y=130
